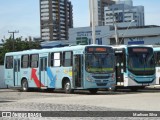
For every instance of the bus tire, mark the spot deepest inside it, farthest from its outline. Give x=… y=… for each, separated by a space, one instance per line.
x=67 y=87
x=24 y=85
x=93 y=91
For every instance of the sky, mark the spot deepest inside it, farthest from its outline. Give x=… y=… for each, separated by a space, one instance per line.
x=24 y=16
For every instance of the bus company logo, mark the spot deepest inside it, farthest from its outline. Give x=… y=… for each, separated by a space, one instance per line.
x=6 y=114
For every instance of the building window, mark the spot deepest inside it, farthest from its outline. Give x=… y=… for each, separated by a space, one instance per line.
x=99 y=41
x=112 y=41
x=25 y=61
x=9 y=62
x=34 y=60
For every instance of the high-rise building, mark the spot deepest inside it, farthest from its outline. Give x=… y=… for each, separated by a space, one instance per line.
x=106 y=12
x=56 y=18
x=99 y=10
x=123 y=12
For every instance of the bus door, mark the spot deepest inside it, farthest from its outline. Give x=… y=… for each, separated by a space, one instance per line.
x=16 y=71
x=120 y=64
x=78 y=71
x=43 y=71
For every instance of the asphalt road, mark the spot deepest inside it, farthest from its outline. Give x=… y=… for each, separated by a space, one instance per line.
x=122 y=100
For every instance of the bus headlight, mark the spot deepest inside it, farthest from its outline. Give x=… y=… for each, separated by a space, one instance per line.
x=89 y=79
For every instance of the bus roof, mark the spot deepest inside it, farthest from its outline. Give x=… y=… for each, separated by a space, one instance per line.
x=126 y=46
x=66 y=48
x=157 y=48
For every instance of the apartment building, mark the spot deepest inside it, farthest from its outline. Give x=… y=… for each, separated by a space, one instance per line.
x=56 y=17
x=106 y=12
x=99 y=11
x=124 y=12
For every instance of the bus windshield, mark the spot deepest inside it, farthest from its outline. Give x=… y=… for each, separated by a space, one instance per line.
x=99 y=63
x=140 y=61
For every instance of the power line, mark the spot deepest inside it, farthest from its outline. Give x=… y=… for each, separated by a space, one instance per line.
x=13 y=32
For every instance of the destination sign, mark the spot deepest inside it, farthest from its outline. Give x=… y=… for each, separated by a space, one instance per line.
x=96 y=49
x=140 y=50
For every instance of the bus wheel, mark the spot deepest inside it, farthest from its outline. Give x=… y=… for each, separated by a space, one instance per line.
x=93 y=91
x=24 y=85
x=67 y=87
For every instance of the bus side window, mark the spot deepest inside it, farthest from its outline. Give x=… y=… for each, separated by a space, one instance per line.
x=155 y=58
x=25 y=61
x=49 y=59
x=34 y=60
x=9 y=62
x=124 y=60
x=67 y=58
x=55 y=59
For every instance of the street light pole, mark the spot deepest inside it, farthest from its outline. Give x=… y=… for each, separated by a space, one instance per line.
x=126 y=31
x=116 y=31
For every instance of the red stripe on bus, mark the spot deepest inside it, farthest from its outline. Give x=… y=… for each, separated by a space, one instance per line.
x=35 y=78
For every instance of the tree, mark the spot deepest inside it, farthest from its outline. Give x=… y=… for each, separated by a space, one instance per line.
x=17 y=45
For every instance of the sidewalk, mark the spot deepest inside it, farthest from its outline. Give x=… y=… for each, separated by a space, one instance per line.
x=7 y=90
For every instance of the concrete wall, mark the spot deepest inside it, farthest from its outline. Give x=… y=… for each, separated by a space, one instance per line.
x=148 y=35
x=147 y=40
x=102 y=32
x=2 y=82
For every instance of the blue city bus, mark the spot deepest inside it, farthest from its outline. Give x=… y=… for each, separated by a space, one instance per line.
x=89 y=67
x=157 y=63
x=135 y=67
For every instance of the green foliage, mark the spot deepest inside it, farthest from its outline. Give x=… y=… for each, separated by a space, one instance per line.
x=17 y=45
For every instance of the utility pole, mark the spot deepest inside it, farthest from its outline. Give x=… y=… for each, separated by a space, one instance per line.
x=92 y=12
x=13 y=32
x=116 y=32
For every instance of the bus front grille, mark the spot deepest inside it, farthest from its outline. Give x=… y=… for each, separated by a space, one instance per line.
x=101 y=81
x=101 y=84
x=101 y=77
